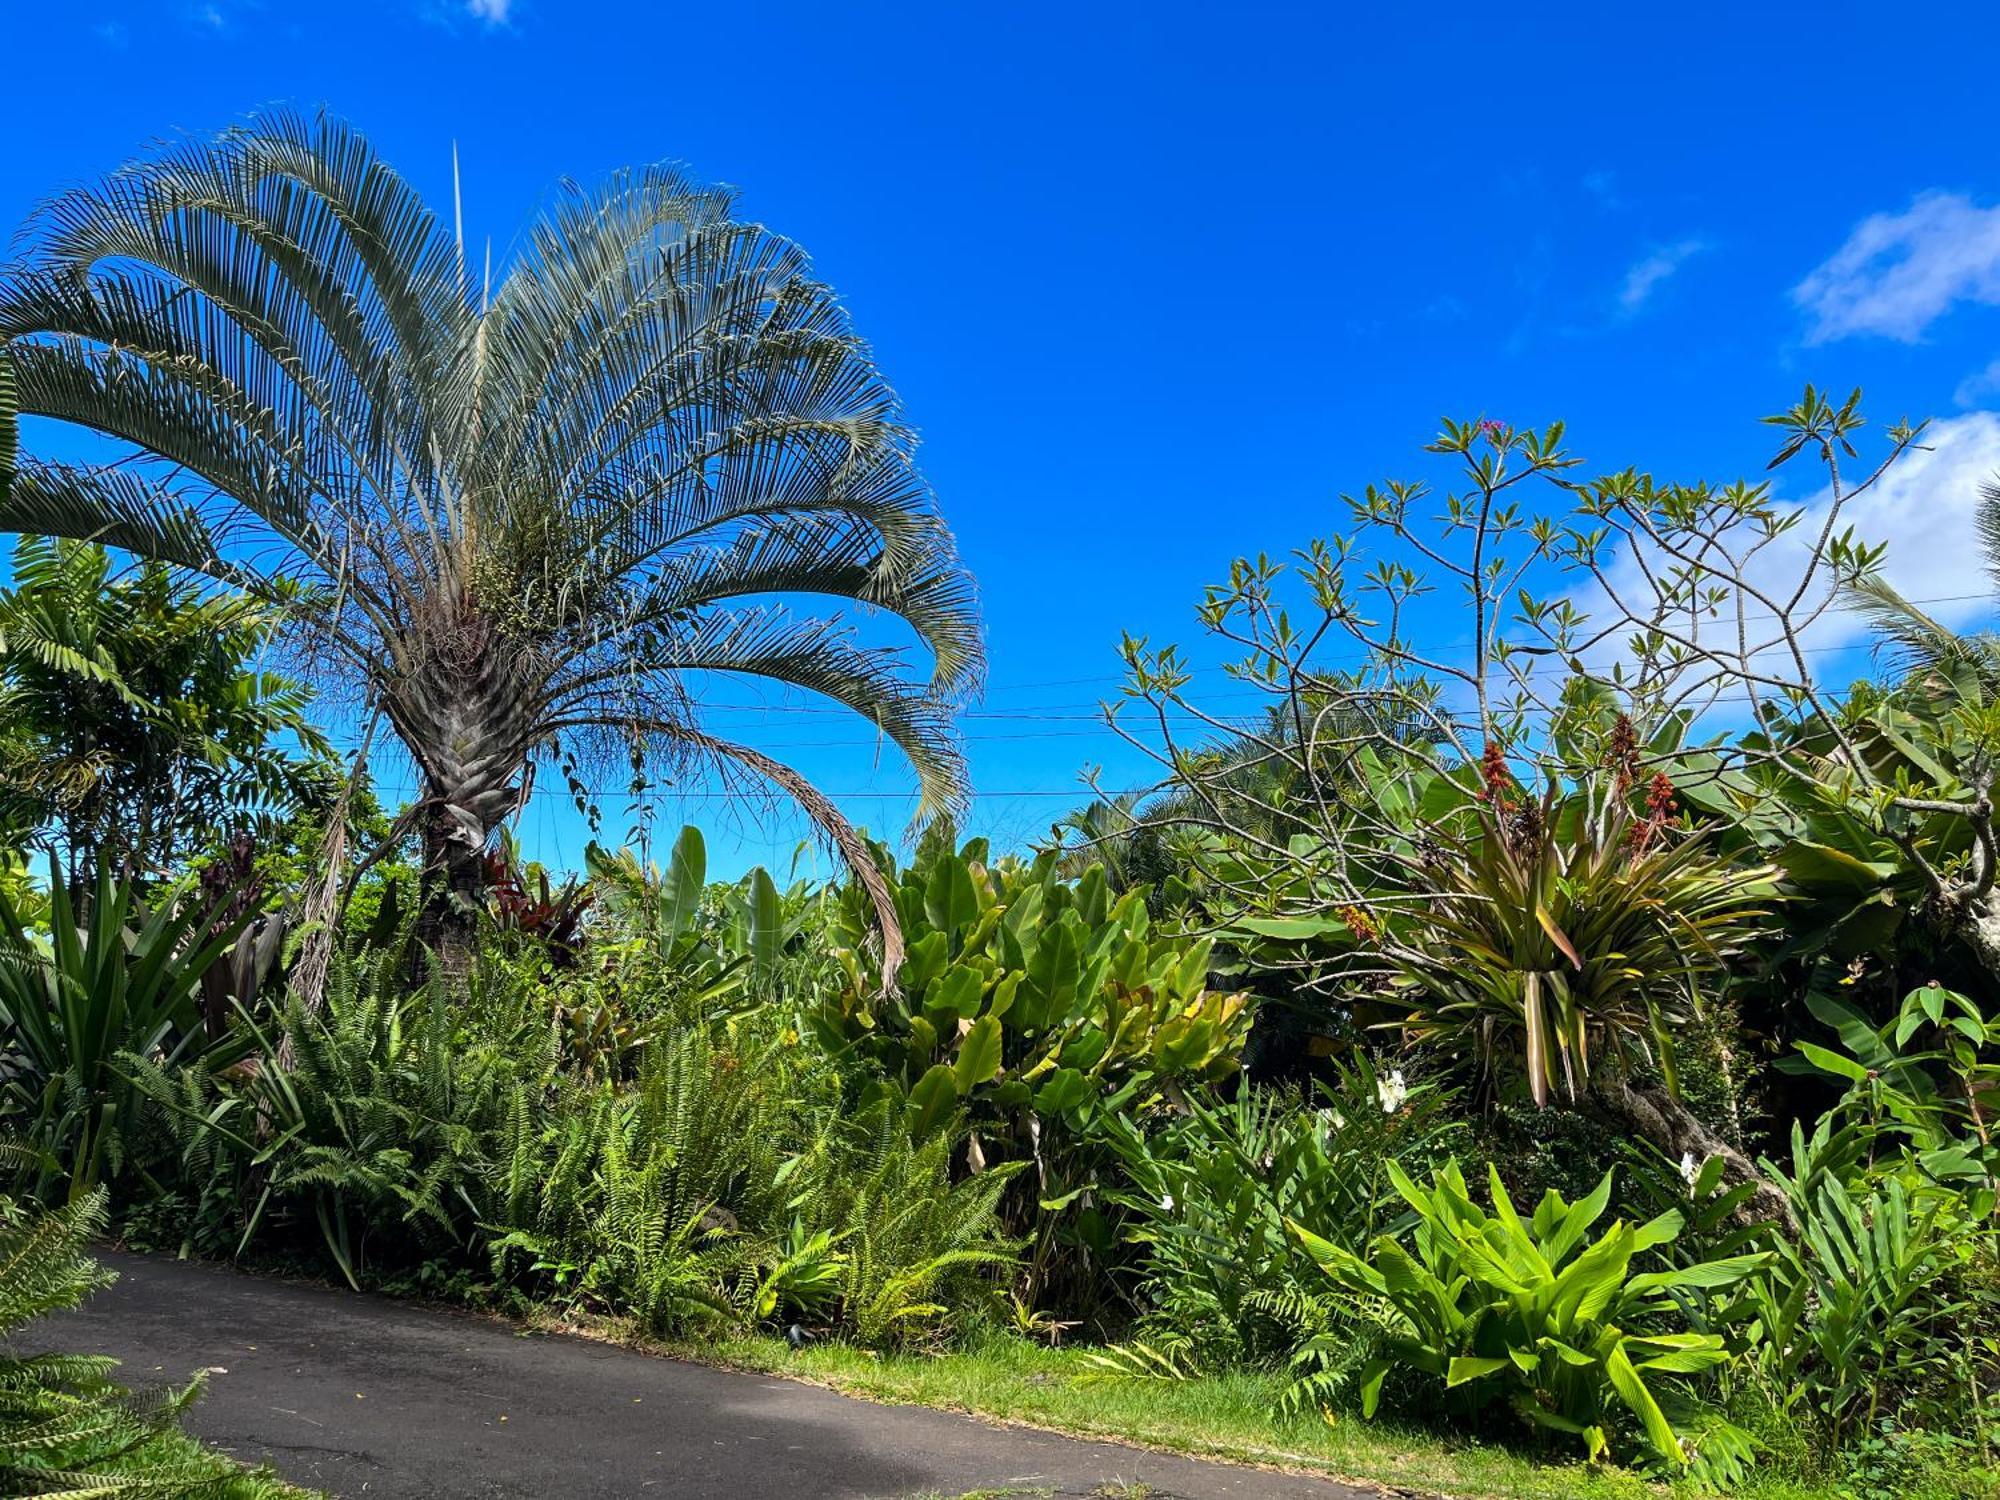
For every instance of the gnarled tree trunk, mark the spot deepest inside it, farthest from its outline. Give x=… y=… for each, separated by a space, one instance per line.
x=1669 y=1124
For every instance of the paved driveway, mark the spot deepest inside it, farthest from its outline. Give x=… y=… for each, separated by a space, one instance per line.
x=367 y=1397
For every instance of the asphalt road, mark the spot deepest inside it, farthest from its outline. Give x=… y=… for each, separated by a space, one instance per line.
x=367 y=1397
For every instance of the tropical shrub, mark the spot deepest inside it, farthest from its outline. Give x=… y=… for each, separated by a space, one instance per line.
x=913 y=1243
x=1879 y=1305
x=1025 y=996
x=1211 y=1196
x=113 y=982
x=1040 y=1008
x=379 y=1131
x=653 y=1194
x=448 y=1136
x=139 y=719
x=1565 y=1328
x=1864 y=1314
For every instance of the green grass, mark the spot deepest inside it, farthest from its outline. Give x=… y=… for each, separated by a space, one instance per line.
x=1227 y=1416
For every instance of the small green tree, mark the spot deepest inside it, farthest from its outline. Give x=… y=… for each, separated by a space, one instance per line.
x=139 y=725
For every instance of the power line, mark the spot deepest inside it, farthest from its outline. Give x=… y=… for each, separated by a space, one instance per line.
x=669 y=794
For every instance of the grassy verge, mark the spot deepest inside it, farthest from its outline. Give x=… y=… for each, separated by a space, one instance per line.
x=1225 y=1416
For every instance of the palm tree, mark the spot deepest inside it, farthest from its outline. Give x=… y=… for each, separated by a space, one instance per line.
x=522 y=518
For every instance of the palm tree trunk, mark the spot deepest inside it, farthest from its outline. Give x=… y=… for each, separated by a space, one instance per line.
x=470 y=723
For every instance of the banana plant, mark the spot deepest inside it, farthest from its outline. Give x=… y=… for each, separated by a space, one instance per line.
x=1568 y=1329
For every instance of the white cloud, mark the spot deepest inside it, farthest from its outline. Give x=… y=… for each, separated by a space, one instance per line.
x=1641 y=280
x=492 y=12
x=1923 y=508
x=1899 y=273
x=1977 y=386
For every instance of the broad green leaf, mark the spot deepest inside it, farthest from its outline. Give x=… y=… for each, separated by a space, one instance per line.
x=1292 y=929
x=1633 y=1392
x=950 y=901
x=933 y=1101
x=681 y=887
x=1829 y=1061
x=1468 y=1367
x=767 y=926
x=978 y=1055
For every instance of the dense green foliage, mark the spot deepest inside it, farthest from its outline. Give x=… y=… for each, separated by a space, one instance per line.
x=1537 y=1312
x=110 y=983
x=137 y=721
x=1618 y=911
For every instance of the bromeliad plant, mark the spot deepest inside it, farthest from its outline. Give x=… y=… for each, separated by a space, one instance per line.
x=1570 y=1330
x=1572 y=940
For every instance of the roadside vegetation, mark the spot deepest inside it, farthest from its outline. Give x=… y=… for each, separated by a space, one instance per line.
x=1538 y=1035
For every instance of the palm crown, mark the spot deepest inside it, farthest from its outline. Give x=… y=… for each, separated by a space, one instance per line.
x=518 y=515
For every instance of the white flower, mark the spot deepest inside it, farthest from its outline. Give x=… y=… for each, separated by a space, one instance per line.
x=1392 y=1091
x=1167 y=1202
x=1690 y=1168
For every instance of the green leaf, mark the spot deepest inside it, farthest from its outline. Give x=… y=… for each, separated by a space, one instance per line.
x=1292 y=929
x=1371 y=1387
x=1633 y=1392
x=681 y=888
x=978 y=1055
x=1823 y=869
x=1054 y=968
x=950 y=899
x=933 y=1102
x=1467 y=1367
x=1065 y=1089
x=767 y=926
x=1828 y=1061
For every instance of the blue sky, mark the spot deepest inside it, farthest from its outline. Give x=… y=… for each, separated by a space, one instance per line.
x=1158 y=282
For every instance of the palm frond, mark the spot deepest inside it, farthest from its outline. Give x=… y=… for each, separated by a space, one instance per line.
x=512 y=514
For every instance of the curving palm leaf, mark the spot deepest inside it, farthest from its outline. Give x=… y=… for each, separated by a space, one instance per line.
x=515 y=517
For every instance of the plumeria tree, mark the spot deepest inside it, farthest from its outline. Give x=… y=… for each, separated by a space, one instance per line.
x=1505 y=724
